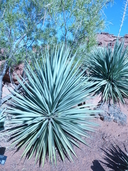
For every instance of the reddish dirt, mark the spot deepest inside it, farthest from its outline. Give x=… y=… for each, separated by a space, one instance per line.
x=87 y=157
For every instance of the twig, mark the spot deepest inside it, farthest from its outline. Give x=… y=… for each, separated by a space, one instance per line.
x=122 y=21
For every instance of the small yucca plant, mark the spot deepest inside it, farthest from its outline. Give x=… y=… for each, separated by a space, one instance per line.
x=46 y=118
x=116 y=159
x=108 y=69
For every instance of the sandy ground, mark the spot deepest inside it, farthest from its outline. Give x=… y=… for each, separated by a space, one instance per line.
x=88 y=158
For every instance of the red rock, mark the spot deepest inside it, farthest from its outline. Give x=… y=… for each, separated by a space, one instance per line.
x=126 y=36
x=17 y=70
x=105 y=39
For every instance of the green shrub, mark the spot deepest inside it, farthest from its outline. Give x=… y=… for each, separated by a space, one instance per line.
x=108 y=69
x=46 y=118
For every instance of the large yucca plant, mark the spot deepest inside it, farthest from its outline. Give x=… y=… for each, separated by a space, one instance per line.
x=2 y=119
x=108 y=68
x=45 y=117
x=116 y=159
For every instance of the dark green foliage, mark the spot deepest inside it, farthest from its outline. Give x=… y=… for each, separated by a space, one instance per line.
x=108 y=69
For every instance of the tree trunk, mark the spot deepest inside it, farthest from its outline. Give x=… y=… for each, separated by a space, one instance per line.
x=5 y=67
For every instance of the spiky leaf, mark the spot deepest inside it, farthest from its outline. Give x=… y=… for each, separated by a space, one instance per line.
x=46 y=118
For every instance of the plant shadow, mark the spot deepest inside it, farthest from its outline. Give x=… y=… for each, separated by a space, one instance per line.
x=97 y=166
x=115 y=158
x=2 y=150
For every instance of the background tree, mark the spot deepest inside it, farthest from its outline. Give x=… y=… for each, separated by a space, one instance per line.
x=26 y=23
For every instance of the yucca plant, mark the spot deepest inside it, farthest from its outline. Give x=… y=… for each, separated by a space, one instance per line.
x=45 y=117
x=108 y=69
x=2 y=119
x=116 y=159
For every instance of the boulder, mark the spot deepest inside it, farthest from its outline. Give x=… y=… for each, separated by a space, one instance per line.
x=17 y=70
x=105 y=39
x=112 y=113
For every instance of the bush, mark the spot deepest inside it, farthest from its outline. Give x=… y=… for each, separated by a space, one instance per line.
x=108 y=69
x=46 y=118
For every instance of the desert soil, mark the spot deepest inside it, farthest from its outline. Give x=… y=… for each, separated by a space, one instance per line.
x=88 y=158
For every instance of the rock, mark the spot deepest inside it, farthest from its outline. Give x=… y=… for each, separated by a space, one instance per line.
x=113 y=113
x=126 y=36
x=105 y=39
x=17 y=70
